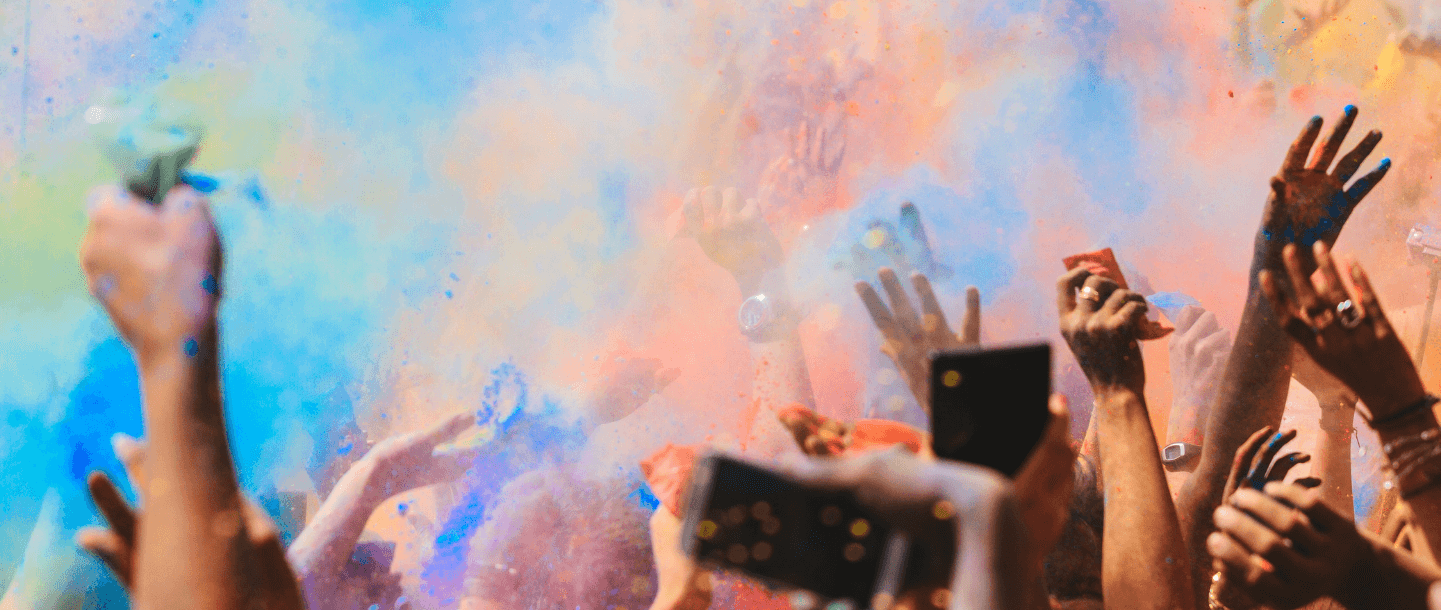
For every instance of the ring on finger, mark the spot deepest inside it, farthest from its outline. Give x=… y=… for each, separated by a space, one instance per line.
x=1349 y=314
x=1090 y=294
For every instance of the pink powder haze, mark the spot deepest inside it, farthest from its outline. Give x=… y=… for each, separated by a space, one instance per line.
x=414 y=193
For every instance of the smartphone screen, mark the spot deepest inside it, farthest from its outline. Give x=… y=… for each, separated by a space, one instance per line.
x=990 y=406
x=745 y=518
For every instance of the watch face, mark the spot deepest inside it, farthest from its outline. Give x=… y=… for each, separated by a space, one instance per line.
x=755 y=313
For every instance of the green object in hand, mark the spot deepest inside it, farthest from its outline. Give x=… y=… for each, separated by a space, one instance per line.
x=150 y=142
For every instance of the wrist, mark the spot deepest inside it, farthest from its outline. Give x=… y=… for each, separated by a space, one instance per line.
x=1384 y=407
x=179 y=351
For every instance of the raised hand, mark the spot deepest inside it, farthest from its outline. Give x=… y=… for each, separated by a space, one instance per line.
x=910 y=338
x=1198 y=351
x=1044 y=484
x=1284 y=548
x=1344 y=330
x=933 y=502
x=1256 y=463
x=115 y=545
x=732 y=232
x=812 y=161
x=322 y=552
x=1100 y=322
x=156 y=269
x=411 y=461
x=1310 y=201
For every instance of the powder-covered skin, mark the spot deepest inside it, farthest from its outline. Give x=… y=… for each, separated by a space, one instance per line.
x=415 y=193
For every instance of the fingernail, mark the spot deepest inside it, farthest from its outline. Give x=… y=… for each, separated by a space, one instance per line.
x=1350 y=109
x=1385 y=163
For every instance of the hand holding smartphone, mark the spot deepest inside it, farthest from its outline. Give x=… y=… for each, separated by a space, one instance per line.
x=990 y=406
x=745 y=518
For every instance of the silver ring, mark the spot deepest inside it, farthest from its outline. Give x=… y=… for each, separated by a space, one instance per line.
x=1348 y=313
x=1090 y=294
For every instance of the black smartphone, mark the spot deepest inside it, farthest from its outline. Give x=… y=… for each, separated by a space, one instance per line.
x=990 y=406
x=745 y=518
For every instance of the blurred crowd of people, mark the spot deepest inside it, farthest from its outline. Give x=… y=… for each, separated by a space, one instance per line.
x=1211 y=512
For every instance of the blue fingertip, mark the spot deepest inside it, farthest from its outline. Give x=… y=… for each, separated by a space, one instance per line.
x=1386 y=163
x=1350 y=109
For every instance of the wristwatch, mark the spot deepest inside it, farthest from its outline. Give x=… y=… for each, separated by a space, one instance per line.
x=764 y=319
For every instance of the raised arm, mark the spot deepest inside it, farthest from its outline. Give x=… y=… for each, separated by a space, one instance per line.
x=395 y=465
x=1346 y=332
x=1333 y=445
x=735 y=236
x=156 y=269
x=1309 y=202
x=1144 y=564
x=909 y=337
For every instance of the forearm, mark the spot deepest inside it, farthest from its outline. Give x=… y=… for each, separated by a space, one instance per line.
x=323 y=548
x=1331 y=460
x=193 y=542
x=1252 y=396
x=780 y=380
x=1145 y=564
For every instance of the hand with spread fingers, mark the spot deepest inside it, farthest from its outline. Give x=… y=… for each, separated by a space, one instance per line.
x=1309 y=200
x=1255 y=466
x=810 y=166
x=909 y=338
x=733 y=234
x=1342 y=327
x=115 y=545
x=1256 y=462
x=1284 y=548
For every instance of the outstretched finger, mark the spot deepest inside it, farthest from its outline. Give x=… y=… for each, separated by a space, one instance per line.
x=112 y=506
x=1306 y=296
x=1327 y=152
x=1262 y=465
x=1284 y=464
x=131 y=453
x=971 y=322
x=1066 y=288
x=1347 y=166
x=933 y=320
x=1327 y=281
x=447 y=429
x=900 y=302
x=880 y=314
x=115 y=552
x=1301 y=148
x=1245 y=455
x=1364 y=184
x=1370 y=306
